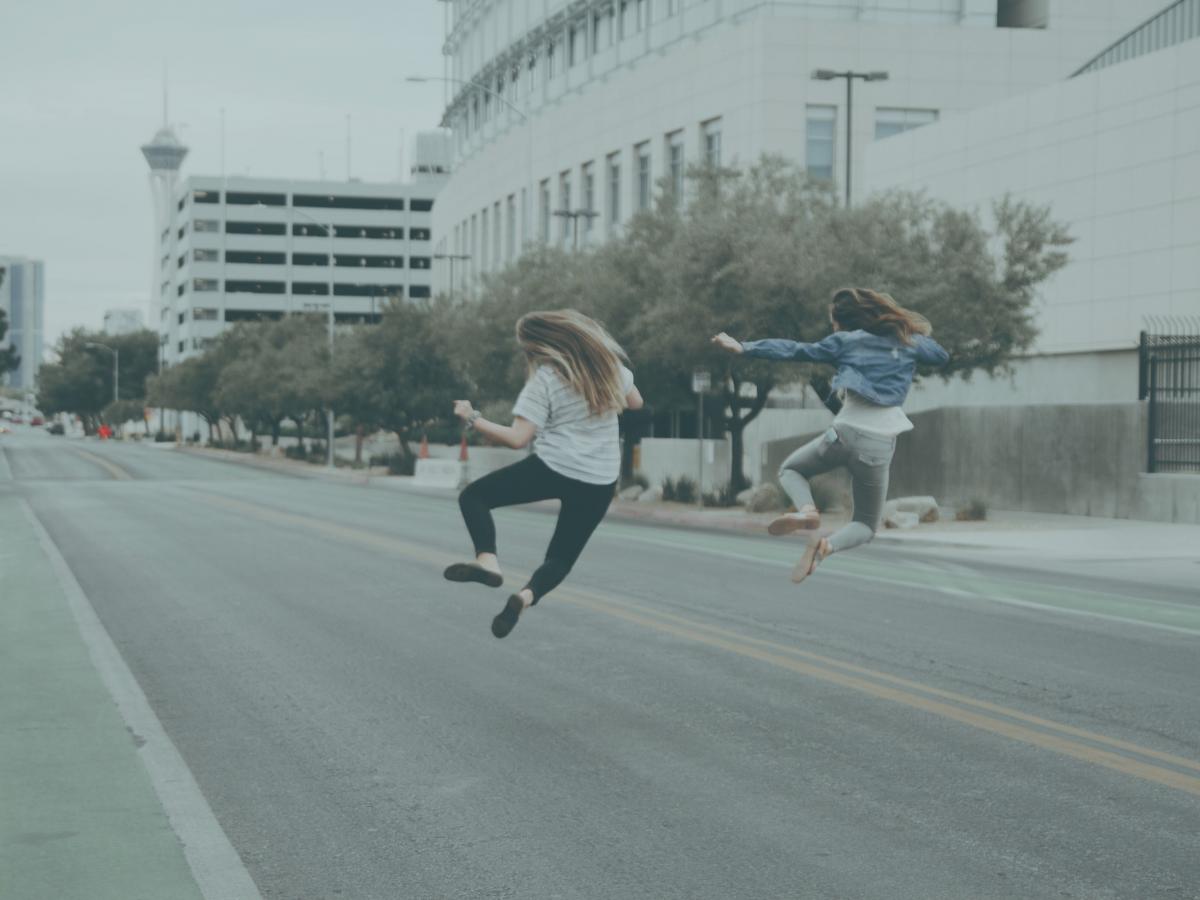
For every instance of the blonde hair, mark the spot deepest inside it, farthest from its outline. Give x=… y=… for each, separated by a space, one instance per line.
x=877 y=313
x=580 y=351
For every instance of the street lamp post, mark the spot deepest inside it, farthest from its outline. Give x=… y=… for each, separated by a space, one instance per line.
x=329 y=320
x=575 y=215
x=453 y=258
x=829 y=75
x=525 y=118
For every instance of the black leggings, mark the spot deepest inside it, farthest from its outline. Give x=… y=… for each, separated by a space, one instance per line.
x=583 y=506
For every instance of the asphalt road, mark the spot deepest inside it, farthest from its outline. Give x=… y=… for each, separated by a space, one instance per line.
x=679 y=721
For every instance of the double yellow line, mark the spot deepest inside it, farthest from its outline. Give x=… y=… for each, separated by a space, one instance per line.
x=1128 y=758
x=111 y=468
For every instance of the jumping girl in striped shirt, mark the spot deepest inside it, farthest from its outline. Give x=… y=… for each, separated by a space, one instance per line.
x=577 y=386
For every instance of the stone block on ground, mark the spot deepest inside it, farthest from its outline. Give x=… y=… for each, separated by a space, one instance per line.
x=633 y=492
x=650 y=495
x=925 y=508
x=441 y=473
x=765 y=498
x=898 y=519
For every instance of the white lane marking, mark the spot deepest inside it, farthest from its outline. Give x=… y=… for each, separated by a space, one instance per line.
x=216 y=866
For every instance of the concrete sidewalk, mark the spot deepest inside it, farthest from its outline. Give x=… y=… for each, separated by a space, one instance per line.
x=1030 y=535
x=81 y=816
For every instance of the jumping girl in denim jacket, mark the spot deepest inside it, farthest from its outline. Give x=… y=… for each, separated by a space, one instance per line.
x=876 y=345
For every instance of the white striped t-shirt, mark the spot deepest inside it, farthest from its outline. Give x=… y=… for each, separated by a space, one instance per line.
x=570 y=440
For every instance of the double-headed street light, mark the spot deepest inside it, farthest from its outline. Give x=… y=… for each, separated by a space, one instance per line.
x=328 y=227
x=830 y=75
x=116 y=355
x=575 y=215
x=453 y=258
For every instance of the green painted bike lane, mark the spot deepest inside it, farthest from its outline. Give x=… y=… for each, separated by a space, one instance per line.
x=79 y=816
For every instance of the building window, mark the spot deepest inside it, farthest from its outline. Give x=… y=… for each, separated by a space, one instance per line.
x=419 y=234
x=310 y=259
x=642 y=185
x=643 y=14
x=355 y=260
x=206 y=196
x=181 y=290
x=421 y=205
x=255 y=228
x=182 y=259
x=252 y=315
x=303 y=230
x=496 y=234
x=366 y=231
x=711 y=133
x=564 y=205
x=202 y=255
x=613 y=164
x=574 y=46
x=329 y=201
x=318 y=288
x=205 y=314
x=483 y=246
x=821 y=126
x=181 y=317
x=182 y=203
x=254 y=287
x=360 y=290
x=255 y=257
x=211 y=225
x=418 y=291
x=205 y=284
x=588 y=188
x=420 y=262
x=510 y=228
x=252 y=198
x=894 y=121
x=674 y=150
x=550 y=59
x=544 y=203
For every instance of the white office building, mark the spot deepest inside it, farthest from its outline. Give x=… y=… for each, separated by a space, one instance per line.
x=1114 y=151
x=584 y=105
x=244 y=249
x=123 y=321
x=23 y=300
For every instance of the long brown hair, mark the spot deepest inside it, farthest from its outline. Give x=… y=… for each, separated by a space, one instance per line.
x=580 y=351
x=877 y=313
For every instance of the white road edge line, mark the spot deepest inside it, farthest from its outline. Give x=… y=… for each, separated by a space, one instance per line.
x=215 y=864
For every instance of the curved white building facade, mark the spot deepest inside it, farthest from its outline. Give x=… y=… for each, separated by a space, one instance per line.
x=582 y=107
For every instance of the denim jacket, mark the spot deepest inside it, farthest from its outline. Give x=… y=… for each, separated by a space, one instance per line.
x=877 y=368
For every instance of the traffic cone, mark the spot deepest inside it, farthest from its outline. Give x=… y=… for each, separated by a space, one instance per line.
x=424 y=453
x=462 y=449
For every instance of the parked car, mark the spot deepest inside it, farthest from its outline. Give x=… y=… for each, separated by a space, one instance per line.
x=37 y=420
x=55 y=428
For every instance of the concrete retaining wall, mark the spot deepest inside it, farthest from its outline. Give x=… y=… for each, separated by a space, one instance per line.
x=1076 y=460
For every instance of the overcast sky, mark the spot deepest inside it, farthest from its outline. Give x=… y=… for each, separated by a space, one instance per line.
x=81 y=91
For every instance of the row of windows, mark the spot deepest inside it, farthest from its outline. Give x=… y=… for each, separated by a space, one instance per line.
x=242 y=286
x=318 y=201
x=592 y=33
x=370 y=232
x=273 y=258
x=489 y=238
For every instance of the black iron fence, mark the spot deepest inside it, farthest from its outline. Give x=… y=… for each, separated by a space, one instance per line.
x=1169 y=378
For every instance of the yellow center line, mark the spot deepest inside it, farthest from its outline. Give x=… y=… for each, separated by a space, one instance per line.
x=111 y=468
x=859 y=678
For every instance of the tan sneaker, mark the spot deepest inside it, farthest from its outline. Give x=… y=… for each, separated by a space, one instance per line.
x=789 y=522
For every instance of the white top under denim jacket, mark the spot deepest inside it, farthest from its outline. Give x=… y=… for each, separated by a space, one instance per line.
x=874 y=372
x=570 y=440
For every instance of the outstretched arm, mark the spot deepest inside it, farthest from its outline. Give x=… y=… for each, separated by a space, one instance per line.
x=516 y=435
x=825 y=351
x=929 y=351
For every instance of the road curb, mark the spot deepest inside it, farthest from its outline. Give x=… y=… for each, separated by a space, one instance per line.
x=216 y=866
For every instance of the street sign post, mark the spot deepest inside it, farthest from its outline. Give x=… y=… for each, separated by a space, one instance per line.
x=701 y=382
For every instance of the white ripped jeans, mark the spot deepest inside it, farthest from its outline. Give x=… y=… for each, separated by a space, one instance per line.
x=866 y=456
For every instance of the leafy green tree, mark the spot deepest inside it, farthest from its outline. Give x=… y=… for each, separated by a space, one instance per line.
x=81 y=382
x=399 y=375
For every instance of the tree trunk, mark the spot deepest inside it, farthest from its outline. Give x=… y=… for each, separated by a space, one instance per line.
x=275 y=433
x=358 y=445
x=736 y=425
